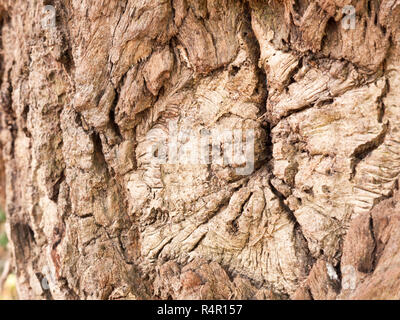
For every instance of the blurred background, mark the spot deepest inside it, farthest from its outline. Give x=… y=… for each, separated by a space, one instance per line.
x=7 y=278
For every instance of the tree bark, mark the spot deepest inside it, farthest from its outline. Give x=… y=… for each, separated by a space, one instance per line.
x=89 y=87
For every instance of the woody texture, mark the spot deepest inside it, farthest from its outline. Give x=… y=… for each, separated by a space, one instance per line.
x=89 y=87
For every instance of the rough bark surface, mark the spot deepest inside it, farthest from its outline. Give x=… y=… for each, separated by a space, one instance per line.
x=93 y=217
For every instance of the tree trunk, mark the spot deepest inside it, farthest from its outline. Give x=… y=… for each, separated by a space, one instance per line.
x=93 y=92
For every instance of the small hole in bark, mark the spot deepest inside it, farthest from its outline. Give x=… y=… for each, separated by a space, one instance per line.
x=308 y=190
x=25 y=112
x=52 y=75
x=234 y=71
